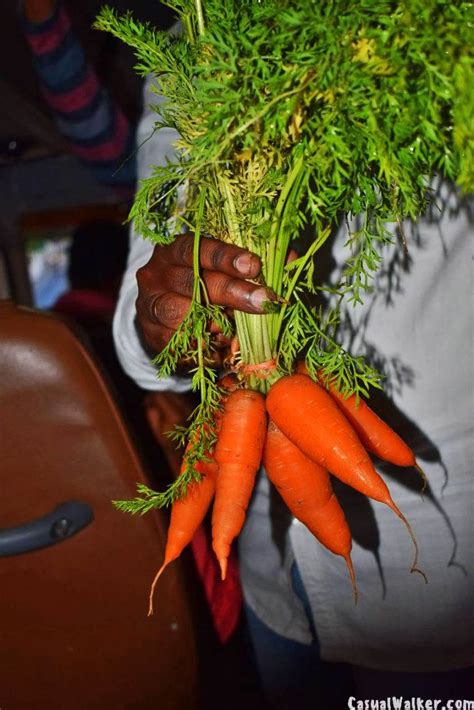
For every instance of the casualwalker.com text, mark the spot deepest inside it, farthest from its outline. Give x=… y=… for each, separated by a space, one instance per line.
x=401 y=703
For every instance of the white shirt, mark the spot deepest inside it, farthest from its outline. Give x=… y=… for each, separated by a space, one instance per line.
x=400 y=623
x=424 y=338
x=154 y=148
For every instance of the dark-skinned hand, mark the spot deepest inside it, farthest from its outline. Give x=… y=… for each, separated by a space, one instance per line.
x=165 y=285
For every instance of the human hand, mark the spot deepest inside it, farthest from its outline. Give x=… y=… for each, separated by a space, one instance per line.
x=165 y=285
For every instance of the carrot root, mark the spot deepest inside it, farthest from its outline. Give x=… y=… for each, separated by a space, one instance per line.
x=153 y=585
x=223 y=566
x=306 y=488
x=350 y=567
x=423 y=476
x=414 y=567
x=238 y=453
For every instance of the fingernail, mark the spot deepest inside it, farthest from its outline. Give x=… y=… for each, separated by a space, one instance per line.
x=260 y=296
x=247 y=264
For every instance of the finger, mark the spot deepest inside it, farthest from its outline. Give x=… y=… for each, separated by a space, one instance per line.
x=179 y=279
x=216 y=256
x=235 y=293
x=291 y=256
x=168 y=309
x=159 y=316
x=222 y=289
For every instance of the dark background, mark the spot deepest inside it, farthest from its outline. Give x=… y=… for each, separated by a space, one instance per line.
x=24 y=117
x=45 y=192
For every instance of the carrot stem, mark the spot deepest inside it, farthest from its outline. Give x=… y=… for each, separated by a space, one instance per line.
x=200 y=17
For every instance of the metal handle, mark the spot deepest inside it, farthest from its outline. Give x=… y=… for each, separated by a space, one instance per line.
x=59 y=525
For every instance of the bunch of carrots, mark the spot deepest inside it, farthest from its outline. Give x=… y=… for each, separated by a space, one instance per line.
x=302 y=431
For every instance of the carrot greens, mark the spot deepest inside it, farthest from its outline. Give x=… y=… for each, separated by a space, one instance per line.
x=295 y=118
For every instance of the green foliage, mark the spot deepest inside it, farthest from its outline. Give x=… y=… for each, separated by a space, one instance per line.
x=366 y=244
x=294 y=116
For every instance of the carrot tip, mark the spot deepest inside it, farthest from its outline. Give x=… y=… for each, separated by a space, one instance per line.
x=350 y=567
x=419 y=571
x=423 y=476
x=223 y=566
x=152 y=588
x=398 y=512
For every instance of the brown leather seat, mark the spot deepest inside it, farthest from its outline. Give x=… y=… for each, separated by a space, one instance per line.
x=73 y=626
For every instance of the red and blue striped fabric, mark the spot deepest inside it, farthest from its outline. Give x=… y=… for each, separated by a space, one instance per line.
x=97 y=130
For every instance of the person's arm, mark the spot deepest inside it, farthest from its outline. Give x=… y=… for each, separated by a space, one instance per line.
x=96 y=129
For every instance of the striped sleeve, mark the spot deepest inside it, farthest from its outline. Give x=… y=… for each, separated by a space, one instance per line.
x=97 y=130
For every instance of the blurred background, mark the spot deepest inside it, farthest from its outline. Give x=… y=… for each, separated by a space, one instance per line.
x=46 y=190
x=70 y=103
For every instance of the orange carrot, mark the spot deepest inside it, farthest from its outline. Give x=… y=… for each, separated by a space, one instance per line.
x=187 y=514
x=377 y=436
x=238 y=452
x=311 y=419
x=306 y=488
x=229 y=382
